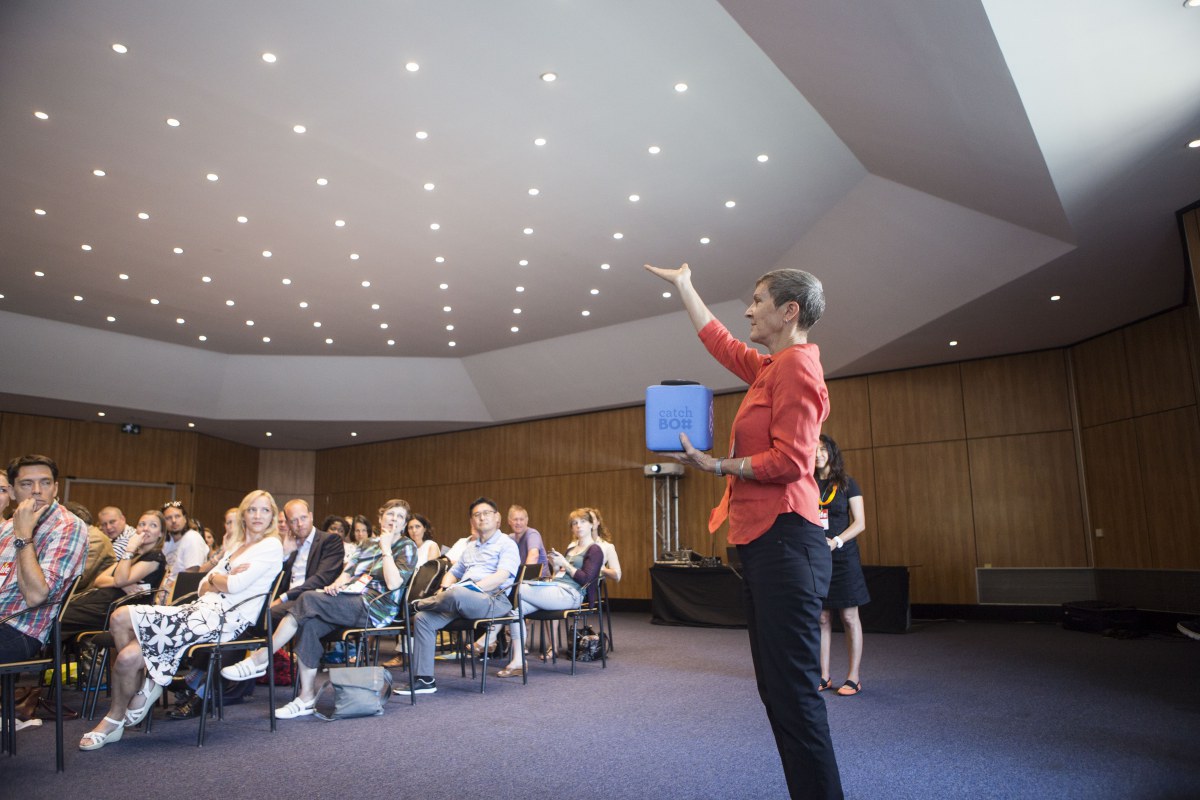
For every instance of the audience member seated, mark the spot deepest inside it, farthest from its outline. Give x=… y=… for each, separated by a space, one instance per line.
x=529 y=540
x=603 y=537
x=41 y=549
x=337 y=526
x=100 y=554
x=184 y=547
x=363 y=532
x=111 y=520
x=5 y=496
x=565 y=591
x=454 y=554
x=142 y=567
x=475 y=587
x=420 y=530
x=151 y=640
x=365 y=595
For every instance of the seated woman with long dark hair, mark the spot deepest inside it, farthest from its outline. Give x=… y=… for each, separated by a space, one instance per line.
x=142 y=568
x=565 y=590
x=151 y=640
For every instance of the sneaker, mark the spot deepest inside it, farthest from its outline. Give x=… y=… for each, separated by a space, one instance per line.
x=1190 y=628
x=296 y=708
x=422 y=686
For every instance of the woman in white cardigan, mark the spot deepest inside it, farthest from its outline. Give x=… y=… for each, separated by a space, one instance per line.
x=151 y=640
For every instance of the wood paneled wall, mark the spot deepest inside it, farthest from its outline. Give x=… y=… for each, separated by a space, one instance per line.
x=288 y=474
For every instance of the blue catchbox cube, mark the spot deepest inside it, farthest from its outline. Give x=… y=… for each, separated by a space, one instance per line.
x=675 y=407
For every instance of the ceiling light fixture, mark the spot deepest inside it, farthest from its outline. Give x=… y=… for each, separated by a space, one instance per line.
x=412 y=66
x=549 y=77
x=429 y=187
x=329 y=341
x=433 y=226
x=524 y=262
x=391 y=342
x=763 y=158
x=250 y=323
x=153 y=301
x=514 y=329
x=85 y=247
x=41 y=115
x=540 y=142
x=666 y=294
x=267 y=253
x=267 y=340
x=681 y=87
x=177 y=251
x=383 y=326
x=954 y=342
x=730 y=203
x=111 y=319
x=227 y=302
x=516 y=311
x=447 y=309
x=606 y=266
x=585 y=313
x=299 y=129
x=39 y=274
x=243 y=220
x=440 y=259
x=206 y=279
x=705 y=240
x=1054 y=298
x=422 y=135
x=120 y=48
x=304 y=304
x=353 y=433
x=534 y=192
x=123 y=276
x=339 y=223
x=270 y=59
x=212 y=176
x=449 y=327
x=1194 y=143
x=633 y=198
x=594 y=291
x=322 y=181
x=191 y=424
x=78 y=298
x=354 y=256
x=452 y=344
x=179 y=320
x=143 y=215
x=618 y=235
x=443 y=286
x=286 y=281
x=1191 y=3
x=202 y=338
x=527 y=231
x=41 y=212
x=100 y=414
x=174 y=123
x=316 y=324
x=374 y=306
x=99 y=173
x=520 y=289
x=366 y=284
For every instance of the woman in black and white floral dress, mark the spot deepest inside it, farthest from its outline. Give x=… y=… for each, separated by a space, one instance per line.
x=151 y=640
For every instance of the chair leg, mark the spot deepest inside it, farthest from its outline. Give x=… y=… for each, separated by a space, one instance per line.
x=8 y=714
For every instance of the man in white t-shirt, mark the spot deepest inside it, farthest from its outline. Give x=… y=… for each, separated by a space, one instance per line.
x=184 y=548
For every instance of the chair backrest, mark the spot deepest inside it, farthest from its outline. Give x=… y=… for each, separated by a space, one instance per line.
x=424 y=581
x=185 y=583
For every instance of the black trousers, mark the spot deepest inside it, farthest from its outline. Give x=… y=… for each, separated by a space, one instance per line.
x=786 y=574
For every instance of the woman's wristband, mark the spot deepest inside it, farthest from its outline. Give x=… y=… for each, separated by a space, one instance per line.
x=839 y=541
x=717 y=468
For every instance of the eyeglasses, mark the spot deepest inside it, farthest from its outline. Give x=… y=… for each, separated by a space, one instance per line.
x=483 y=514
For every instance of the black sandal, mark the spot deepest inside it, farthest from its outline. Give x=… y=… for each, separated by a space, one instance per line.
x=825 y=685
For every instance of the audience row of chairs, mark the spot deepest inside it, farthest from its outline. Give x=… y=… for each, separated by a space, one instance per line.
x=424 y=582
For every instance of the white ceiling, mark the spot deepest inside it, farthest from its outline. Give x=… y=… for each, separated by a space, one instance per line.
x=943 y=167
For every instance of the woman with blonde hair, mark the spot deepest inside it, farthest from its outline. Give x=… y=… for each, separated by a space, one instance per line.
x=151 y=640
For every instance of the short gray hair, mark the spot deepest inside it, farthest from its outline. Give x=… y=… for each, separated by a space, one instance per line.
x=786 y=285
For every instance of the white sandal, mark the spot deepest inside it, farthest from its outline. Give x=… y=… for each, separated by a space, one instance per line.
x=244 y=670
x=95 y=740
x=134 y=716
x=296 y=708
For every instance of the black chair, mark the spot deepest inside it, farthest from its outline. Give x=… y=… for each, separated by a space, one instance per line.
x=52 y=661
x=577 y=617
x=415 y=587
x=256 y=636
x=101 y=641
x=462 y=627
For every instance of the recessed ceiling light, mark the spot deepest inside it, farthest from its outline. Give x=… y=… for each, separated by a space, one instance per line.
x=618 y=235
x=527 y=231
x=1191 y=3
x=429 y=187
x=243 y=220
x=267 y=340
x=540 y=142
x=304 y=304
x=606 y=266
x=1056 y=297
x=352 y=433
x=422 y=135
x=120 y=48
x=654 y=149
x=452 y=344
x=206 y=279
x=534 y=192
x=433 y=226
x=286 y=281
x=85 y=247
x=212 y=176
x=111 y=319
x=267 y=253
x=585 y=313
x=78 y=298
x=153 y=301
x=339 y=223
x=354 y=256
x=123 y=276
x=524 y=262
x=520 y=289
x=391 y=342
x=143 y=215
x=705 y=240
x=730 y=203
x=954 y=342
x=374 y=306
x=101 y=414
x=316 y=324
x=1194 y=143
x=549 y=77
x=666 y=294
x=329 y=341
x=41 y=115
x=299 y=129
x=250 y=323
x=39 y=274
x=174 y=123
x=383 y=326
x=514 y=329
x=202 y=338
x=191 y=424
x=412 y=66
x=366 y=284
x=440 y=259
x=449 y=327
x=270 y=59
x=41 y=212
x=99 y=173
x=180 y=320
x=516 y=311
x=681 y=87
x=322 y=181
x=443 y=286
x=595 y=291
x=763 y=158
x=229 y=303
x=177 y=251
x=633 y=198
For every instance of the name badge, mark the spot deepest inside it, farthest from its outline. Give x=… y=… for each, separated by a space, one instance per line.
x=825 y=518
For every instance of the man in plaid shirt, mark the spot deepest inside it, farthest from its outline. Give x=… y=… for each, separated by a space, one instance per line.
x=42 y=548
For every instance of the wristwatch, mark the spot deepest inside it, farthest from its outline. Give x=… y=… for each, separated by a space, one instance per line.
x=20 y=543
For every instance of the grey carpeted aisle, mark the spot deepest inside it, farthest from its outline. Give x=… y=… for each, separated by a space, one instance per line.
x=971 y=710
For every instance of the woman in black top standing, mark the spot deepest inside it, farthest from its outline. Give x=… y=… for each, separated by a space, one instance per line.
x=843 y=518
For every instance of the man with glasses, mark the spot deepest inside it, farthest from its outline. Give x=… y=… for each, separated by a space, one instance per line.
x=183 y=547
x=476 y=586
x=42 y=548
